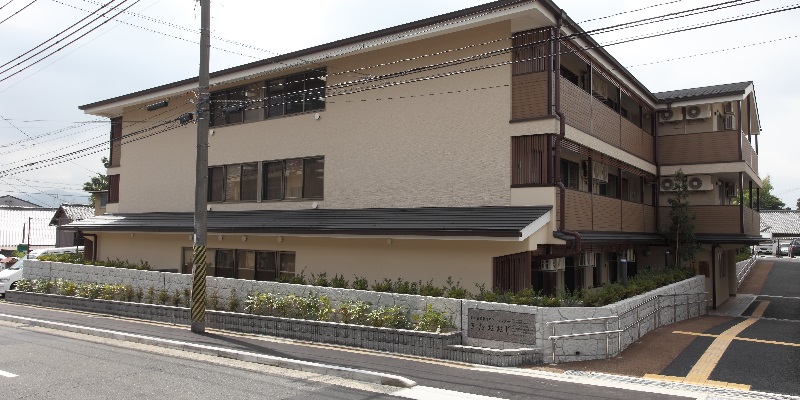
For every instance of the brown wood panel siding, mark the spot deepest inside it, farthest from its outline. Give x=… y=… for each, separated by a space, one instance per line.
x=709 y=147
x=512 y=272
x=637 y=142
x=531 y=50
x=749 y=154
x=113 y=188
x=607 y=214
x=650 y=219
x=115 y=142
x=709 y=219
x=529 y=96
x=576 y=106
x=578 y=210
x=752 y=221
x=530 y=157
x=605 y=123
x=632 y=217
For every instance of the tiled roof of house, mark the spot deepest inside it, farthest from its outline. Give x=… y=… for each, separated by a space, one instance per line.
x=430 y=221
x=14 y=219
x=72 y=212
x=703 y=92
x=780 y=222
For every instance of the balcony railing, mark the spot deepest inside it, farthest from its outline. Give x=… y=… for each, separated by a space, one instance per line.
x=718 y=219
x=706 y=148
x=592 y=212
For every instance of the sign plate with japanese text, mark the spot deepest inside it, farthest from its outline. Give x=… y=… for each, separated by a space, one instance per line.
x=504 y=326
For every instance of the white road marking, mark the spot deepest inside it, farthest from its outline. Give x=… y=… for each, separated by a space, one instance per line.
x=429 y=393
x=7 y=374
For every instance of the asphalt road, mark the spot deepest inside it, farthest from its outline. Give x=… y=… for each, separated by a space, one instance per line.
x=467 y=381
x=50 y=366
x=766 y=355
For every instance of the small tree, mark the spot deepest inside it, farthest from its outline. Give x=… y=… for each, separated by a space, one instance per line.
x=680 y=233
x=98 y=182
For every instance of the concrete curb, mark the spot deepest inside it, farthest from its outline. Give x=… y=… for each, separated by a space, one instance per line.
x=305 y=366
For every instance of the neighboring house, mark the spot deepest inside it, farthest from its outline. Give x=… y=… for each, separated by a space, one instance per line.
x=780 y=225
x=11 y=201
x=26 y=225
x=100 y=201
x=478 y=161
x=66 y=214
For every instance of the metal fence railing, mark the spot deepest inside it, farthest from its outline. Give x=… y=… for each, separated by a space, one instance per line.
x=650 y=309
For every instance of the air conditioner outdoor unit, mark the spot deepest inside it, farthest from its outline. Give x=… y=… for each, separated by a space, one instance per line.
x=673 y=114
x=668 y=184
x=552 y=264
x=698 y=111
x=699 y=182
x=629 y=255
x=586 y=259
x=730 y=189
x=729 y=122
x=599 y=172
x=727 y=107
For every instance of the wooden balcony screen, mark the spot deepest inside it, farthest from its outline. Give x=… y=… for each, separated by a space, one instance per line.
x=113 y=188
x=717 y=219
x=512 y=272
x=749 y=154
x=709 y=147
x=529 y=96
x=530 y=160
x=582 y=111
x=592 y=212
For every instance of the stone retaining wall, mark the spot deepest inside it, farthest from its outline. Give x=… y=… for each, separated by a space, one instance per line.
x=650 y=310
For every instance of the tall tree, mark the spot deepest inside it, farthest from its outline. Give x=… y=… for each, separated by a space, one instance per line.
x=768 y=200
x=98 y=182
x=798 y=204
x=680 y=233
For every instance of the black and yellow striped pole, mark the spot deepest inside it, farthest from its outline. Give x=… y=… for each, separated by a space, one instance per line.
x=201 y=183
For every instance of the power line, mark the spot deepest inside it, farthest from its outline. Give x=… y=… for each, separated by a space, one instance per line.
x=715 y=51
x=630 y=11
x=20 y=10
x=4 y=5
x=62 y=47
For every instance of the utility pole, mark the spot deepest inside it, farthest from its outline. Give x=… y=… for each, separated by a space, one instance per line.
x=201 y=181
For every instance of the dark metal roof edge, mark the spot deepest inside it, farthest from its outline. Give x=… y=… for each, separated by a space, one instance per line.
x=665 y=100
x=322 y=47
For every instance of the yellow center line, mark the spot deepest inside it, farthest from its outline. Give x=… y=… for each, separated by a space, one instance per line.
x=703 y=368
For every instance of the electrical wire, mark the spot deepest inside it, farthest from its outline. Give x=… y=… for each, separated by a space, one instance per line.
x=4 y=5
x=630 y=11
x=62 y=47
x=20 y=10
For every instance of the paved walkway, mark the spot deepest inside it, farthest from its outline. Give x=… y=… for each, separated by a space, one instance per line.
x=751 y=342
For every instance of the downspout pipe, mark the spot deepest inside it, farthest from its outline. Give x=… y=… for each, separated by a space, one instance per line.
x=562 y=133
x=713 y=276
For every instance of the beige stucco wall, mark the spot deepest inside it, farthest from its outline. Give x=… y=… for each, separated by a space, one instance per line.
x=444 y=142
x=468 y=261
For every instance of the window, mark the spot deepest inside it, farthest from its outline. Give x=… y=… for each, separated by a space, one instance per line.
x=569 y=174
x=245 y=264
x=299 y=178
x=116 y=142
x=231 y=183
x=113 y=188
x=266 y=99
x=224 y=265
x=270 y=265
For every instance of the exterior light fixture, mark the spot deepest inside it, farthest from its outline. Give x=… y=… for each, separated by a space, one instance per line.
x=156 y=106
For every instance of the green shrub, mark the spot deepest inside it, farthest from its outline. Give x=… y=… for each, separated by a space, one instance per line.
x=389 y=317
x=360 y=283
x=354 y=312
x=454 y=290
x=89 y=290
x=260 y=304
x=406 y=287
x=163 y=297
x=128 y=293
x=428 y=289
x=41 y=285
x=213 y=300
x=150 y=298
x=65 y=287
x=320 y=280
x=384 y=286
x=233 y=301
x=24 y=285
x=312 y=307
x=187 y=298
x=139 y=295
x=175 y=300
x=338 y=281
x=432 y=321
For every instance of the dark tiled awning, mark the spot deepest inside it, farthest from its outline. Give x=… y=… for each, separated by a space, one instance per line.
x=494 y=222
